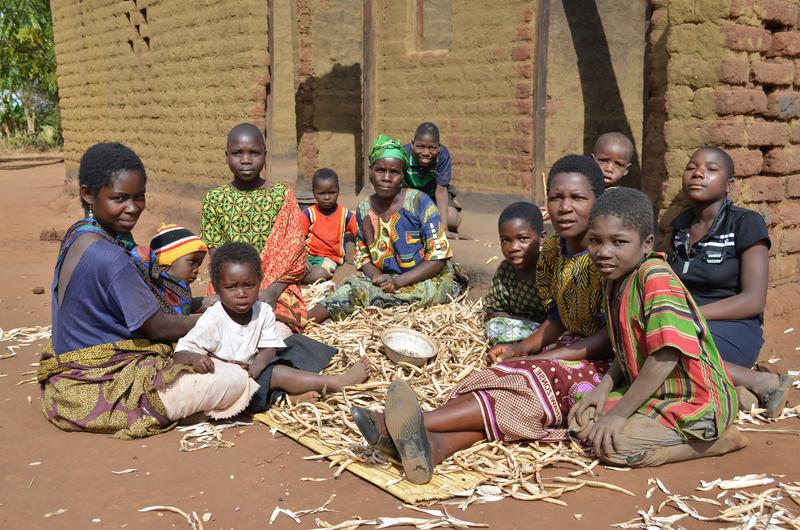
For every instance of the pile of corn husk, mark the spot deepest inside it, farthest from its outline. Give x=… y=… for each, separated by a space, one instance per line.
x=317 y=291
x=758 y=416
x=510 y=470
x=204 y=435
x=772 y=508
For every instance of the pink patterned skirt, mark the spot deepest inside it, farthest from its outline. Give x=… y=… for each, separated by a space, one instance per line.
x=529 y=399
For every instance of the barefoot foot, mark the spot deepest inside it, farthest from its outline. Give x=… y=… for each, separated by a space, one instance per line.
x=358 y=373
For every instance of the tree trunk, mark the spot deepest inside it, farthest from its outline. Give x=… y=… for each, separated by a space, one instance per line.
x=28 y=108
x=30 y=119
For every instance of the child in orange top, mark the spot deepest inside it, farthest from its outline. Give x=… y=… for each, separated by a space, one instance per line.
x=327 y=225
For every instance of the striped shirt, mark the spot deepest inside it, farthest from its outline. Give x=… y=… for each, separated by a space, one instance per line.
x=656 y=311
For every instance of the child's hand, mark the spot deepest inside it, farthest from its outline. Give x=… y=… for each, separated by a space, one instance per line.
x=268 y=298
x=604 y=435
x=596 y=398
x=504 y=352
x=202 y=364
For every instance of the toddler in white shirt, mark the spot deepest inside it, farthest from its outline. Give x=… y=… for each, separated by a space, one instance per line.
x=241 y=329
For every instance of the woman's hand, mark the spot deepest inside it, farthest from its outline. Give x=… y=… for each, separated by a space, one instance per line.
x=271 y=294
x=604 y=435
x=385 y=282
x=202 y=364
x=208 y=301
x=504 y=352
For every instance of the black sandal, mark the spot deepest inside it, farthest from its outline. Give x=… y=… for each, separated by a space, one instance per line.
x=775 y=398
x=407 y=429
x=370 y=432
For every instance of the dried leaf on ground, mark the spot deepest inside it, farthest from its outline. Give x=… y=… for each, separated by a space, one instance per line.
x=764 y=510
x=194 y=521
x=206 y=434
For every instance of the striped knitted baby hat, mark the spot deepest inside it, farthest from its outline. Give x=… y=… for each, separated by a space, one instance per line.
x=172 y=242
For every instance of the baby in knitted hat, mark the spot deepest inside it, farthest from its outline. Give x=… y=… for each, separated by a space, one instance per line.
x=179 y=253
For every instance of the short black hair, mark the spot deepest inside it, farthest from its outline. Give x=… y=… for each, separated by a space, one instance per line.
x=584 y=165
x=103 y=162
x=614 y=136
x=324 y=173
x=427 y=129
x=245 y=129
x=234 y=252
x=727 y=161
x=526 y=211
x=631 y=206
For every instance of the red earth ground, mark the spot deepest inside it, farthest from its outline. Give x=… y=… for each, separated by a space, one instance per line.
x=45 y=470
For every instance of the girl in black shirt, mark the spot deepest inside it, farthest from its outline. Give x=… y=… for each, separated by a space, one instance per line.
x=720 y=252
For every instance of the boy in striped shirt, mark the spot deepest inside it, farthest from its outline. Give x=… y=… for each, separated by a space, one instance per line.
x=327 y=225
x=673 y=400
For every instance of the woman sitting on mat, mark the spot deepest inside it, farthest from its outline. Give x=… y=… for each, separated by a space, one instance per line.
x=401 y=248
x=566 y=280
x=110 y=366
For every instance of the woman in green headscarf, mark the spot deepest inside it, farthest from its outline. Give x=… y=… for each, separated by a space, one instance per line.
x=401 y=250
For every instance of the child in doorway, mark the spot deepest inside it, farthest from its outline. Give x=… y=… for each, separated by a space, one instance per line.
x=327 y=225
x=429 y=170
x=241 y=329
x=613 y=152
x=513 y=307
x=678 y=401
x=179 y=254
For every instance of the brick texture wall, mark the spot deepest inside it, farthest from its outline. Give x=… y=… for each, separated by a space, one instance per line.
x=329 y=87
x=165 y=77
x=479 y=91
x=727 y=72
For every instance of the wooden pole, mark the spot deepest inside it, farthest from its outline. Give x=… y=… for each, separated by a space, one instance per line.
x=368 y=90
x=270 y=85
x=538 y=191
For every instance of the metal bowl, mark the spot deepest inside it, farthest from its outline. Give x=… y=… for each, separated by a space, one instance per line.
x=408 y=346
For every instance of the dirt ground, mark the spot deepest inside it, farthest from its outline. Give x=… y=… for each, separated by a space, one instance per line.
x=45 y=470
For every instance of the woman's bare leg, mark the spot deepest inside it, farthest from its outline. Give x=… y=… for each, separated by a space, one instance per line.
x=454 y=426
x=316 y=274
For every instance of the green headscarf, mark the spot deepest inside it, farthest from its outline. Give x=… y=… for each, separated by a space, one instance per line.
x=385 y=147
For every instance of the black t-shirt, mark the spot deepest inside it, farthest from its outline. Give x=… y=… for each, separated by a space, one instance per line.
x=710 y=269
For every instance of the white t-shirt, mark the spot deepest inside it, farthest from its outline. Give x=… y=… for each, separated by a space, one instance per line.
x=215 y=332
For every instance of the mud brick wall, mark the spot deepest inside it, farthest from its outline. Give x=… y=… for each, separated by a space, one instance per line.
x=166 y=77
x=595 y=62
x=330 y=36
x=479 y=91
x=727 y=72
